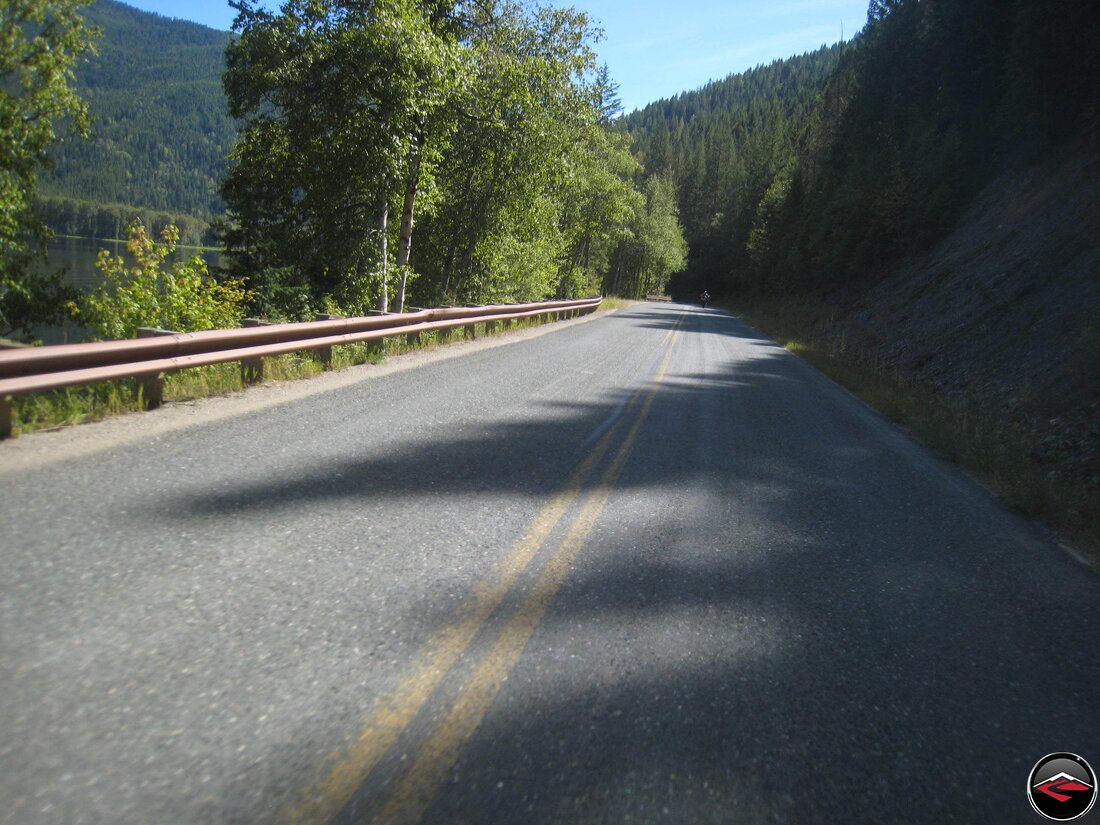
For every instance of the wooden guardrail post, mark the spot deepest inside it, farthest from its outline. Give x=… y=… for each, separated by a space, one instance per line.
x=490 y=327
x=412 y=339
x=151 y=387
x=252 y=369
x=6 y=423
x=376 y=349
x=325 y=353
x=470 y=330
x=5 y=416
x=445 y=335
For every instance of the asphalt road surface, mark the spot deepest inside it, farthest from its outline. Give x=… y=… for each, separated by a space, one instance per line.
x=645 y=568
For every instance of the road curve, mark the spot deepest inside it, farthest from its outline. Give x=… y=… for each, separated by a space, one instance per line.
x=647 y=568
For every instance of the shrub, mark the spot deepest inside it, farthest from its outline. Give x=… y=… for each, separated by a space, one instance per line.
x=180 y=296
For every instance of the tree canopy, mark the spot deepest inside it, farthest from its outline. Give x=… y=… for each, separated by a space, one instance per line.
x=482 y=126
x=40 y=41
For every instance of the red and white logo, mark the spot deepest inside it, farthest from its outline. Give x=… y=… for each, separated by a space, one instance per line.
x=1062 y=787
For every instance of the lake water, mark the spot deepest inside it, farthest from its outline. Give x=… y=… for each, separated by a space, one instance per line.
x=77 y=257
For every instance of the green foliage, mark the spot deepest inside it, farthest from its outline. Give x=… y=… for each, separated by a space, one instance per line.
x=724 y=146
x=653 y=246
x=931 y=95
x=761 y=245
x=40 y=42
x=332 y=97
x=598 y=205
x=179 y=296
x=487 y=123
x=523 y=121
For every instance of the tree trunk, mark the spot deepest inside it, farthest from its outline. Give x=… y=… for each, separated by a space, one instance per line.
x=404 y=246
x=383 y=218
x=616 y=283
x=448 y=265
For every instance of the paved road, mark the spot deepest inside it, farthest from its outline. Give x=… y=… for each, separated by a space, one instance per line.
x=647 y=568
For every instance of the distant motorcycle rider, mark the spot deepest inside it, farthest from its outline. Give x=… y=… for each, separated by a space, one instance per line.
x=703 y=298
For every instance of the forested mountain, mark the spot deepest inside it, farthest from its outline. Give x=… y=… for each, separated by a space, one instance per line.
x=161 y=130
x=724 y=145
x=833 y=166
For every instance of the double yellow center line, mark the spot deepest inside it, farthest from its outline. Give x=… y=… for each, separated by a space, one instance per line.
x=393 y=712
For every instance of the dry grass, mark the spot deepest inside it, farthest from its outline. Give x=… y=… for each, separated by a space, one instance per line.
x=612 y=302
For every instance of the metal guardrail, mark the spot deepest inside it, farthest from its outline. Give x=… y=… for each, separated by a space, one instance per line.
x=37 y=369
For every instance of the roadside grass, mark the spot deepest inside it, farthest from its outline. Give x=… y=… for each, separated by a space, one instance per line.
x=77 y=405
x=73 y=405
x=612 y=302
x=987 y=440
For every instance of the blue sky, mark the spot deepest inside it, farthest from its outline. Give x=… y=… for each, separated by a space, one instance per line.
x=656 y=48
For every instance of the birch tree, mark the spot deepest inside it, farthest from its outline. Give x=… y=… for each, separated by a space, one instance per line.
x=333 y=99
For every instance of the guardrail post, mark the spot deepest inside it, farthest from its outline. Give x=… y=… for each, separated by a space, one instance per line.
x=470 y=330
x=445 y=336
x=252 y=369
x=151 y=387
x=490 y=327
x=376 y=349
x=412 y=339
x=5 y=400
x=325 y=353
x=5 y=416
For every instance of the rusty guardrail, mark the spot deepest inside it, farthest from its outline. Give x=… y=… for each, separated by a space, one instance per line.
x=37 y=369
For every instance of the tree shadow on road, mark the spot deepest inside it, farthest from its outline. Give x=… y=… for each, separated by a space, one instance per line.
x=528 y=456
x=783 y=615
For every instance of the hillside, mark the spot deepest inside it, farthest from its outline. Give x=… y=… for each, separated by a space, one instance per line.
x=1002 y=312
x=161 y=131
x=926 y=226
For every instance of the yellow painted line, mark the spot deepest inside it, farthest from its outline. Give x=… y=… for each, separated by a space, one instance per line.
x=393 y=712
x=438 y=754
